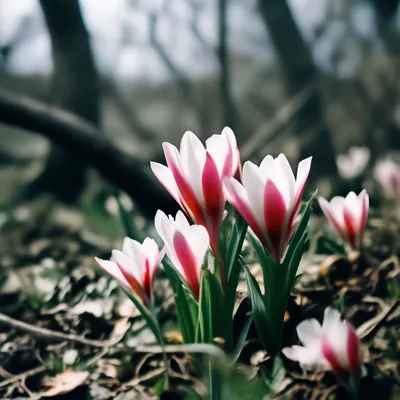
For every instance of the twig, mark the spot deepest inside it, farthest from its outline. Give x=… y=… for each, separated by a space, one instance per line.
x=373 y=324
x=24 y=375
x=55 y=335
x=211 y=350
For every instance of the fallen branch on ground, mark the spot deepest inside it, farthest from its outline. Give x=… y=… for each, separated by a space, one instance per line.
x=86 y=142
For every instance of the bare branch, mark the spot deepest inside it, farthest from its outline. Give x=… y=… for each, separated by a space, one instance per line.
x=179 y=77
x=85 y=141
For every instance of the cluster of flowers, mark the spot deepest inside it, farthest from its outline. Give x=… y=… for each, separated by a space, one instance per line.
x=386 y=172
x=268 y=197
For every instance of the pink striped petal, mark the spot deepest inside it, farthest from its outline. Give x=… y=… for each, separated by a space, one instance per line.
x=164 y=175
x=332 y=358
x=303 y=170
x=274 y=218
x=364 y=200
x=327 y=210
x=187 y=260
x=237 y=197
x=111 y=268
x=350 y=222
x=353 y=350
x=192 y=205
x=214 y=199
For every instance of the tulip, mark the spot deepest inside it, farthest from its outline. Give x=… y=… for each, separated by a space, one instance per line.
x=135 y=266
x=333 y=346
x=387 y=174
x=269 y=200
x=194 y=176
x=186 y=246
x=353 y=164
x=348 y=216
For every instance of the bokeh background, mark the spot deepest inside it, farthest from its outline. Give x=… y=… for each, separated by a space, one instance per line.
x=303 y=77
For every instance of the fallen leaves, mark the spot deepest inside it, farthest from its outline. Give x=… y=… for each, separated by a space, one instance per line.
x=64 y=382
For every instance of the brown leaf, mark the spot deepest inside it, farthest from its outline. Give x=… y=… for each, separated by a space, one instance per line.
x=64 y=382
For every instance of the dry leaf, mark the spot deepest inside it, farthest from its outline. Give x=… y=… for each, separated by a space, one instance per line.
x=64 y=382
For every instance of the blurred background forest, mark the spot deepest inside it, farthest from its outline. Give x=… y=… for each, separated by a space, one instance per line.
x=305 y=77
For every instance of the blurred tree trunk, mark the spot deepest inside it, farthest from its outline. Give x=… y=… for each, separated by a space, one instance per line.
x=386 y=26
x=228 y=108
x=300 y=71
x=75 y=88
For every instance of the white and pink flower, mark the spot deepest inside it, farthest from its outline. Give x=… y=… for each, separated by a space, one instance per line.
x=348 y=215
x=135 y=266
x=186 y=246
x=194 y=176
x=269 y=199
x=354 y=163
x=333 y=346
x=387 y=174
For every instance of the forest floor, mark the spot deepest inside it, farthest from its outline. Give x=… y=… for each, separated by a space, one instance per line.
x=67 y=331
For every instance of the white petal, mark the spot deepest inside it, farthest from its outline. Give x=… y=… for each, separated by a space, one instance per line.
x=164 y=175
x=332 y=318
x=151 y=250
x=198 y=240
x=112 y=268
x=166 y=231
x=337 y=204
x=254 y=186
x=283 y=179
x=303 y=169
x=193 y=158
x=133 y=265
x=309 y=332
x=310 y=358
x=218 y=147
x=353 y=205
x=233 y=190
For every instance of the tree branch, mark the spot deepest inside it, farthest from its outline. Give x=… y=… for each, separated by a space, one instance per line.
x=85 y=141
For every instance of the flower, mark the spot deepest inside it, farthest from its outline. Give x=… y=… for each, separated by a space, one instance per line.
x=186 y=246
x=387 y=174
x=134 y=267
x=194 y=176
x=269 y=199
x=353 y=164
x=348 y=215
x=333 y=346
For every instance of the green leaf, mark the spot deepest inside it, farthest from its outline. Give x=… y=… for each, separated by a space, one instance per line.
x=242 y=338
x=187 y=312
x=297 y=245
x=234 y=248
x=232 y=263
x=212 y=317
x=326 y=245
x=148 y=316
x=127 y=221
x=258 y=306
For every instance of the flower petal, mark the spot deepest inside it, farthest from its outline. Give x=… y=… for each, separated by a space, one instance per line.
x=164 y=175
x=309 y=332
x=193 y=158
x=274 y=218
x=308 y=357
x=188 y=261
x=112 y=269
x=237 y=197
x=214 y=199
x=353 y=350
